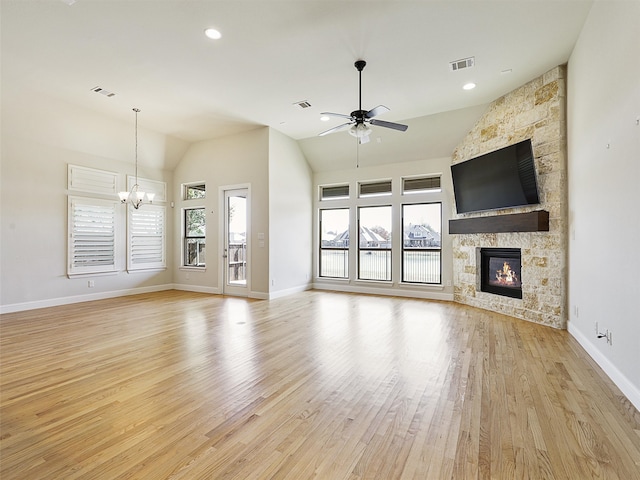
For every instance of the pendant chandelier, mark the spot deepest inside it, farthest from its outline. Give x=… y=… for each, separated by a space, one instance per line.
x=136 y=197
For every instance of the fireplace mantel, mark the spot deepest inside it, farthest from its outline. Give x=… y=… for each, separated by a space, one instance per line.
x=537 y=221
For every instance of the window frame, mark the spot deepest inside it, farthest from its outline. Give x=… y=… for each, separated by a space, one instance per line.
x=150 y=227
x=404 y=249
x=372 y=250
x=421 y=178
x=345 y=249
x=341 y=187
x=186 y=237
x=194 y=186
x=103 y=209
x=377 y=188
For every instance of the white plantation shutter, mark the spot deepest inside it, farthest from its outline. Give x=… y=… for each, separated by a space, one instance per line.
x=92 y=234
x=146 y=237
x=91 y=180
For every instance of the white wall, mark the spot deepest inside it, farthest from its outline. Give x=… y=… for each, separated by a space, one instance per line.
x=395 y=172
x=37 y=146
x=234 y=160
x=604 y=168
x=290 y=216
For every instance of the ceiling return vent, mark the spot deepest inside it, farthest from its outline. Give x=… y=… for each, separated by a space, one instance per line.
x=462 y=64
x=102 y=91
x=303 y=104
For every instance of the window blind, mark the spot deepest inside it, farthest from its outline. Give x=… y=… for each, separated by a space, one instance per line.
x=335 y=192
x=146 y=245
x=92 y=227
x=375 y=188
x=91 y=180
x=422 y=184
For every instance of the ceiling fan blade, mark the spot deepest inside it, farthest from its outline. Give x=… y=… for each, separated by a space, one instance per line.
x=395 y=126
x=375 y=111
x=341 y=115
x=335 y=129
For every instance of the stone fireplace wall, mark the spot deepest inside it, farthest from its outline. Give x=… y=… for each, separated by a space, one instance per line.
x=537 y=110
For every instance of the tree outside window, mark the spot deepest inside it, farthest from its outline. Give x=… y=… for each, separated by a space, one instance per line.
x=194 y=237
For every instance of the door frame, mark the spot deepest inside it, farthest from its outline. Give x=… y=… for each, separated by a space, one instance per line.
x=222 y=241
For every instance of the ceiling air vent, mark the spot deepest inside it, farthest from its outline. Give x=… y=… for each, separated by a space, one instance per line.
x=303 y=104
x=461 y=64
x=102 y=91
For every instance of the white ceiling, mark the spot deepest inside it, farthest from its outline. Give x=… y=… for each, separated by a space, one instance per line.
x=153 y=55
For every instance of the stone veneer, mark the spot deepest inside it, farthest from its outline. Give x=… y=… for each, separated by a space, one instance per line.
x=537 y=111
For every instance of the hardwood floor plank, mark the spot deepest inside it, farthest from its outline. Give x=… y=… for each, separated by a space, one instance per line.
x=318 y=385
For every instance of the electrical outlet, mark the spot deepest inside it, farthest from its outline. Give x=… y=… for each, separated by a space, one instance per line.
x=91 y=284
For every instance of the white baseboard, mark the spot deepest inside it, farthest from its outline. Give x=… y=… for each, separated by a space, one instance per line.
x=393 y=292
x=288 y=291
x=258 y=295
x=631 y=391
x=196 y=289
x=55 y=302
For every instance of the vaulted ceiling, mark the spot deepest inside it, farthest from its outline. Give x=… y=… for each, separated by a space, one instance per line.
x=154 y=55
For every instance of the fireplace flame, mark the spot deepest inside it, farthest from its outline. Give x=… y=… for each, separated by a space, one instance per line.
x=506 y=276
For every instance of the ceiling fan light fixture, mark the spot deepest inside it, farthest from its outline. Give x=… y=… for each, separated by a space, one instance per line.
x=360 y=130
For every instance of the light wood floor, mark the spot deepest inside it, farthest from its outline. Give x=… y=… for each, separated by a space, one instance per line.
x=320 y=385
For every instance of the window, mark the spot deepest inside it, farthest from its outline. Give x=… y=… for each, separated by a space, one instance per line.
x=421 y=244
x=194 y=237
x=421 y=184
x=375 y=189
x=194 y=190
x=334 y=193
x=374 y=246
x=146 y=245
x=334 y=243
x=92 y=234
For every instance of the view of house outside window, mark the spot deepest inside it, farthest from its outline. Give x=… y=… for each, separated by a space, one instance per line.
x=374 y=245
x=421 y=244
x=418 y=235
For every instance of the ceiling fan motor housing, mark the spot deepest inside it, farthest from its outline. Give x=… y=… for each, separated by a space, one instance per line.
x=359 y=115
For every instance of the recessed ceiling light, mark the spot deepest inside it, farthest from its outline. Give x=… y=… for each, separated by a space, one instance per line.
x=469 y=86
x=325 y=118
x=212 y=33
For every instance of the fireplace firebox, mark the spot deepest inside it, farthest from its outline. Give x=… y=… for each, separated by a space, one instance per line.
x=501 y=271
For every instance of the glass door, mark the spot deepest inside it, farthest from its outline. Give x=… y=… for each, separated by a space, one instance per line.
x=235 y=242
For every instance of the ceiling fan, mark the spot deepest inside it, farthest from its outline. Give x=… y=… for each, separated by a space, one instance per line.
x=358 y=119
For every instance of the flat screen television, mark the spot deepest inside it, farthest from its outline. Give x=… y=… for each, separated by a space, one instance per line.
x=501 y=179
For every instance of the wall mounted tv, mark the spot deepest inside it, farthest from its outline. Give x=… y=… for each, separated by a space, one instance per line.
x=501 y=179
